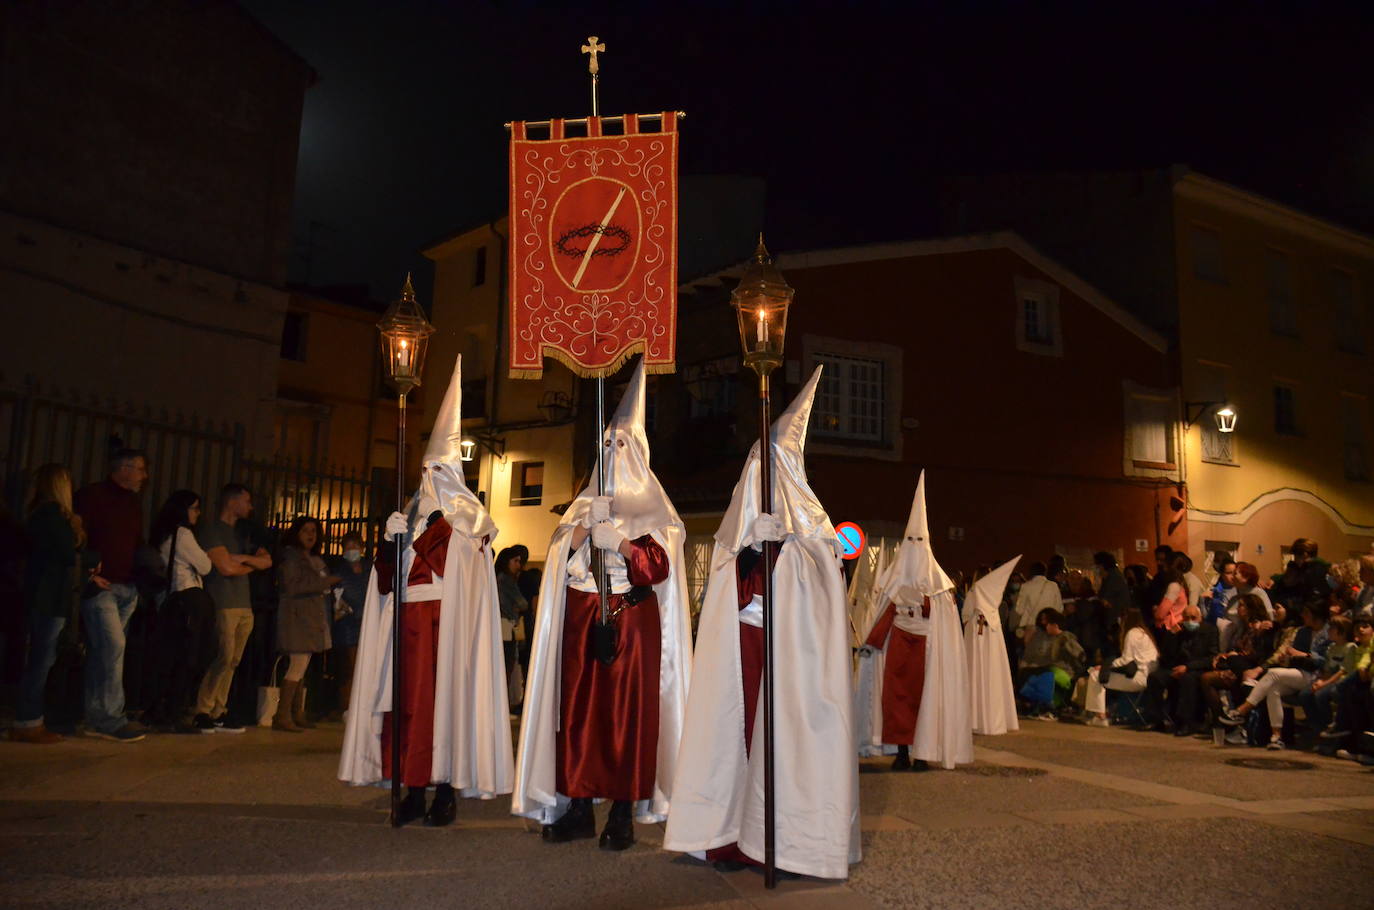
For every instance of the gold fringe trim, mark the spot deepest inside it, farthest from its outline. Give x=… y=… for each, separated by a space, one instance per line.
x=585 y=372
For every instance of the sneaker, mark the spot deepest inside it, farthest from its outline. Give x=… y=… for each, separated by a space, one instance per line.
x=39 y=735
x=1047 y=716
x=1236 y=737
x=1096 y=721
x=204 y=724
x=1275 y=745
x=1231 y=719
x=224 y=725
x=122 y=735
x=1332 y=733
x=1345 y=755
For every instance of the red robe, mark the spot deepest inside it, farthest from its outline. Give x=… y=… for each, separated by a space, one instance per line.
x=904 y=675
x=420 y=654
x=608 y=734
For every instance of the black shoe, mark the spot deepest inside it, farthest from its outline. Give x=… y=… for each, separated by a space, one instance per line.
x=443 y=810
x=577 y=823
x=729 y=865
x=203 y=723
x=619 y=833
x=901 y=763
x=920 y=764
x=223 y=724
x=412 y=807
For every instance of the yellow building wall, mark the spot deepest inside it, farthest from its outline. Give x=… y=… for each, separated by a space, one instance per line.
x=1224 y=328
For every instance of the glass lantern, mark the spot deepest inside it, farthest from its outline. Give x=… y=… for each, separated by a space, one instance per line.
x=405 y=337
x=761 y=300
x=1226 y=419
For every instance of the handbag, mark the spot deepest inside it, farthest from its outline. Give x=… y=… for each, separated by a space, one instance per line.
x=269 y=697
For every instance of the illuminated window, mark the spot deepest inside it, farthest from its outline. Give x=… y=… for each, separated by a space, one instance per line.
x=527 y=483
x=1150 y=423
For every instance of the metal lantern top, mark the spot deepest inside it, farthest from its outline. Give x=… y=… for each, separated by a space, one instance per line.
x=761 y=300
x=1226 y=419
x=405 y=336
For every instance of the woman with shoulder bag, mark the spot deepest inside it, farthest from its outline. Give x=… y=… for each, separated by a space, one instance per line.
x=303 y=616
x=1128 y=672
x=186 y=622
x=58 y=568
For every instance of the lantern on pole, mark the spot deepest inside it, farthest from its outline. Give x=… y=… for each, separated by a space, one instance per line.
x=761 y=300
x=404 y=333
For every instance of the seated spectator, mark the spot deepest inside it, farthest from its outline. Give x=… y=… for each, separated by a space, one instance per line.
x=1129 y=672
x=1173 y=690
x=1366 y=593
x=1352 y=715
x=1168 y=612
x=1317 y=700
x=1248 y=582
x=1248 y=646
x=1049 y=649
x=1036 y=595
x=1085 y=615
x=1303 y=578
x=1222 y=592
x=1291 y=672
x=1183 y=565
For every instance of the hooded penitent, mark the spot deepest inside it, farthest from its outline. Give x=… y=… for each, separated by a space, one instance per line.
x=942 y=732
x=471 y=728
x=718 y=791
x=991 y=698
x=639 y=507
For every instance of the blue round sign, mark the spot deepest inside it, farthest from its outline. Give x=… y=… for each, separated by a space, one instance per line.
x=851 y=538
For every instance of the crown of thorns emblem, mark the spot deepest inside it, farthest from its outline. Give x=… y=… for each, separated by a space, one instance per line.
x=568 y=243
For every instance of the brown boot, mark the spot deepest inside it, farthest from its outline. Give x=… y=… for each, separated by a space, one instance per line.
x=298 y=709
x=282 y=721
x=39 y=734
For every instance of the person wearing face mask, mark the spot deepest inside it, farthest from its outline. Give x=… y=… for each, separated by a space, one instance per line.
x=454 y=719
x=1173 y=691
x=607 y=690
x=353 y=570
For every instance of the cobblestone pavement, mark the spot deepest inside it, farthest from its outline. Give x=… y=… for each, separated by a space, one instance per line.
x=1053 y=816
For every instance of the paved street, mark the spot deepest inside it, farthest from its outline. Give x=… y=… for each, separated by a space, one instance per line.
x=1054 y=816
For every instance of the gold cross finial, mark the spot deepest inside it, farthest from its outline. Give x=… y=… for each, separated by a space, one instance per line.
x=593 y=48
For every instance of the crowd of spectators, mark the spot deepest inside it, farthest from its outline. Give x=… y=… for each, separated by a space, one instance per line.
x=1280 y=662
x=188 y=628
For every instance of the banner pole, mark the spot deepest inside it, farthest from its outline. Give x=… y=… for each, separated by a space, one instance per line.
x=603 y=587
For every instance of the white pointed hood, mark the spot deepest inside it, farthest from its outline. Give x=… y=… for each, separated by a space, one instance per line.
x=441 y=482
x=639 y=503
x=794 y=502
x=986 y=594
x=915 y=574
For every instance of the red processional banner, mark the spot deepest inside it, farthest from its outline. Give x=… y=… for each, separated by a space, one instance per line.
x=593 y=258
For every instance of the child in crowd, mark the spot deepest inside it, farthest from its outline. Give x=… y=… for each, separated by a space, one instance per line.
x=1316 y=701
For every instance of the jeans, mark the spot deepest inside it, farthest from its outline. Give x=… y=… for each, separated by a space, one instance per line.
x=1320 y=706
x=106 y=617
x=43 y=634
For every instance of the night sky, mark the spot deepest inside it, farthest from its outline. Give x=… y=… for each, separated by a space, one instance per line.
x=849 y=112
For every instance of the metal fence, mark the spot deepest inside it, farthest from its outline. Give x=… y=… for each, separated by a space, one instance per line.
x=184 y=452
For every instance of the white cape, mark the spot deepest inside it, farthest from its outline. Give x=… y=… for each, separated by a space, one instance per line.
x=536 y=778
x=992 y=699
x=472 y=742
x=718 y=792
x=944 y=735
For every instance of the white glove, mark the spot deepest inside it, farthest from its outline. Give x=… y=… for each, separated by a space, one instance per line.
x=396 y=524
x=606 y=536
x=768 y=527
x=601 y=509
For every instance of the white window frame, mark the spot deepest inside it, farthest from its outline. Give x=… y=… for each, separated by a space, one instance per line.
x=889 y=446
x=1050 y=341
x=1216 y=447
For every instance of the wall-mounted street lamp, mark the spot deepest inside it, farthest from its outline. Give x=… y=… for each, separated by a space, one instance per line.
x=496 y=445
x=1225 y=414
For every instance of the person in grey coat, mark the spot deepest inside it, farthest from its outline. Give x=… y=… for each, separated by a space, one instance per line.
x=303 y=615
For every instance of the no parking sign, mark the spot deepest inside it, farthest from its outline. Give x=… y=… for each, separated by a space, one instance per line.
x=851 y=538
